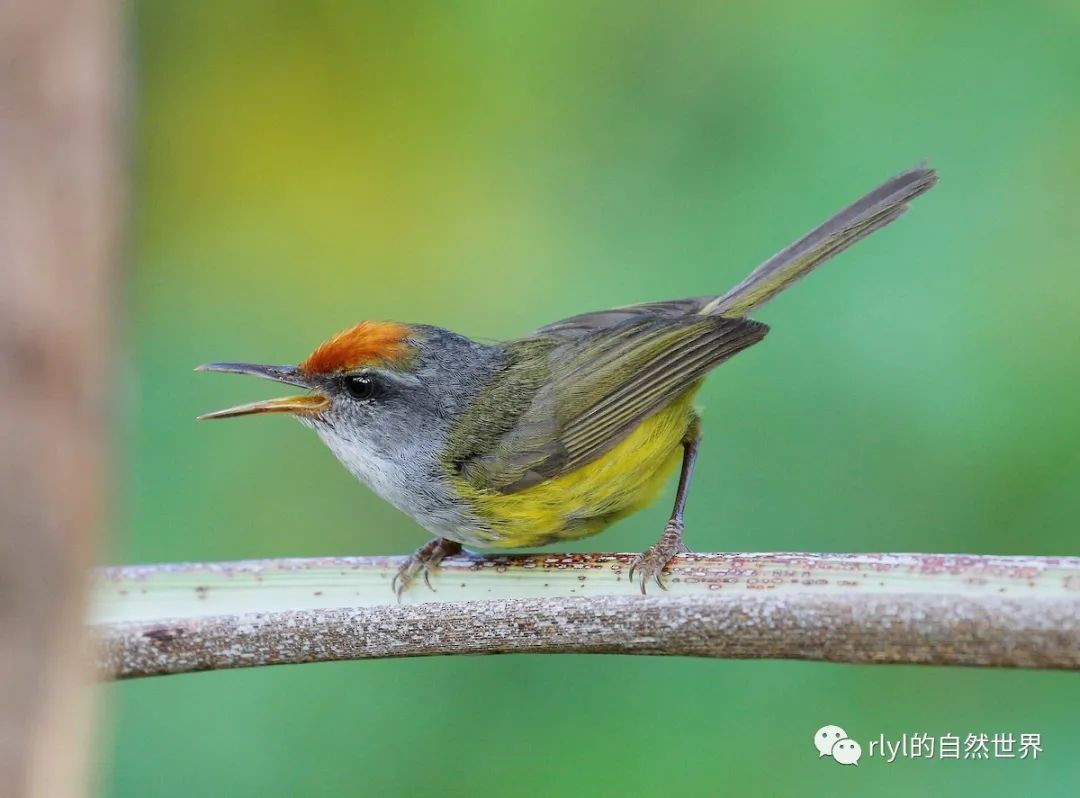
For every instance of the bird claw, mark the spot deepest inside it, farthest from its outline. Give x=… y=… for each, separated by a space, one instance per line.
x=650 y=564
x=423 y=560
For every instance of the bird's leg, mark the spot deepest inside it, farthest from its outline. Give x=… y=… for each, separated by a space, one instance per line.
x=423 y=560
x=651 y=562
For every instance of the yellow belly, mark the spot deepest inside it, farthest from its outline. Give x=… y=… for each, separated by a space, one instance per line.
x=587 y=500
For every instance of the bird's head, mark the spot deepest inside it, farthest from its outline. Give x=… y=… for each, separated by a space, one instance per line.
x=362 y=379
x=384 y=397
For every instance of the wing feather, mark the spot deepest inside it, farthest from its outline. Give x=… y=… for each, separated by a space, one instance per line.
x=576 y=388
x=601 y=383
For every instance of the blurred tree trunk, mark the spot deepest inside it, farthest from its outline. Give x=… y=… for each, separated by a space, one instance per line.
x=59 y=91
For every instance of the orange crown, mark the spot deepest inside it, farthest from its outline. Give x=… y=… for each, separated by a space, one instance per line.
x=374 y=343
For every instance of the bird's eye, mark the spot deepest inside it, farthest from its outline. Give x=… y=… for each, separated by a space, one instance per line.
x=362 y=388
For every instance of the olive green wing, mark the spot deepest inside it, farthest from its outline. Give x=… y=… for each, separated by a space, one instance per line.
x=579 y=386
x=573 y=392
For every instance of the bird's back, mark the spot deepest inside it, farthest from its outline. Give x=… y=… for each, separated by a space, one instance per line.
x=585 y=417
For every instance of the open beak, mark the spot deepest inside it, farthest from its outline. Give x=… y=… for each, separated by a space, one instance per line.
x=306 y=405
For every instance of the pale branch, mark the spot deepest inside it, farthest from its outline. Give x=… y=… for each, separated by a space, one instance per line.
x=914 y=608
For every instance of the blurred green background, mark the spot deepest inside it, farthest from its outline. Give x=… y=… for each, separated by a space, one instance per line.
x=492 y=167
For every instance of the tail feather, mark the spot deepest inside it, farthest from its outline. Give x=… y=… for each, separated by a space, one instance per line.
x=881 y=206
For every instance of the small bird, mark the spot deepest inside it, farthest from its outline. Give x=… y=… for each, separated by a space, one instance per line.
x=552 y=436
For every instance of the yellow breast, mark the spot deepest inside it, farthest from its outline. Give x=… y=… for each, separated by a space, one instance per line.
x=587 y=500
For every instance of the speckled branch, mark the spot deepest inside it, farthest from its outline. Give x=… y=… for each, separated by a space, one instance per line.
x=865 y=608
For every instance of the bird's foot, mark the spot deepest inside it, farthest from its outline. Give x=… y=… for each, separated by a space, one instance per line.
x=650 y=563
x=423 y=560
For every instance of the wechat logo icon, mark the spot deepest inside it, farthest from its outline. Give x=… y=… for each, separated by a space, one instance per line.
x=834 y=741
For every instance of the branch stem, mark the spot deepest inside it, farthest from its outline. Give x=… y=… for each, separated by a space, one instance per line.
x=914 y=608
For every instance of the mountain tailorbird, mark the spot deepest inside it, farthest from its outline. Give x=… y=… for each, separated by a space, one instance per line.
x=552 y=436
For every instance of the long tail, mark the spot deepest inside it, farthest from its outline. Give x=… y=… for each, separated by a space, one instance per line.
x=881 y=206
